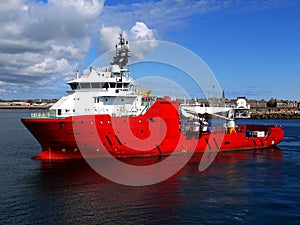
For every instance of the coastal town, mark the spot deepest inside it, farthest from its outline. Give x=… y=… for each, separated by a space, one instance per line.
x=259 y=109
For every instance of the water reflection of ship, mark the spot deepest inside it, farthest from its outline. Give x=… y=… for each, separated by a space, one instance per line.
x=75 y=192
x=81 y=168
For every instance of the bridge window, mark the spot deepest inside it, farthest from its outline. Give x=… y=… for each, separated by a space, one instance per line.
x=105 y=85
x=96 y=85
x=85 y=85
x=112 y=85
x=74 y=86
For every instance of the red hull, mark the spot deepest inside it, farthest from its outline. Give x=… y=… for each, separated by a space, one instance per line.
x=157 y=132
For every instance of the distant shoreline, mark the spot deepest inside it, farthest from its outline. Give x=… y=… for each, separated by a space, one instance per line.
x=25 y=107
x=254 y=115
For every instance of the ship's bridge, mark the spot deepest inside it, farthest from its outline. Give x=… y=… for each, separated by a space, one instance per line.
x=104 y=79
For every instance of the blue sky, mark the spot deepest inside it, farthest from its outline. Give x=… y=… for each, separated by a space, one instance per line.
x=254 y=54
x=253 y=47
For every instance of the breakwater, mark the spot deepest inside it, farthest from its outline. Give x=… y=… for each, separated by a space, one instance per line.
x=283 y=114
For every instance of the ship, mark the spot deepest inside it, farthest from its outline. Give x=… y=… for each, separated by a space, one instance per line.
x=106 y=114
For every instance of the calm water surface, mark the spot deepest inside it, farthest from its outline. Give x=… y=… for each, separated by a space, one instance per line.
x=247 y=187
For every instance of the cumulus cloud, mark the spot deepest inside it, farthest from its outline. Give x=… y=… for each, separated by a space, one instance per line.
x=108 y=37
x=140 y=31
x=40 y=40
x=145 y=39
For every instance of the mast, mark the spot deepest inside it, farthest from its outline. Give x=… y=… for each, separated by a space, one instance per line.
x=122 y=52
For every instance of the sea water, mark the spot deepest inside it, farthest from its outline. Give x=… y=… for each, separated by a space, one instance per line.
x=247 y=187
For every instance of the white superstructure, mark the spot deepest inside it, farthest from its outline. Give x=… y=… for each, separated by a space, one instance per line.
x=106 y=90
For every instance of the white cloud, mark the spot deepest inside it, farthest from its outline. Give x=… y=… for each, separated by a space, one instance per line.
x=9 y=8
x=108 y=37
x=50 y=66
x=82 y=7
x=40 y=40
x=145 y=40
x=141 y=32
